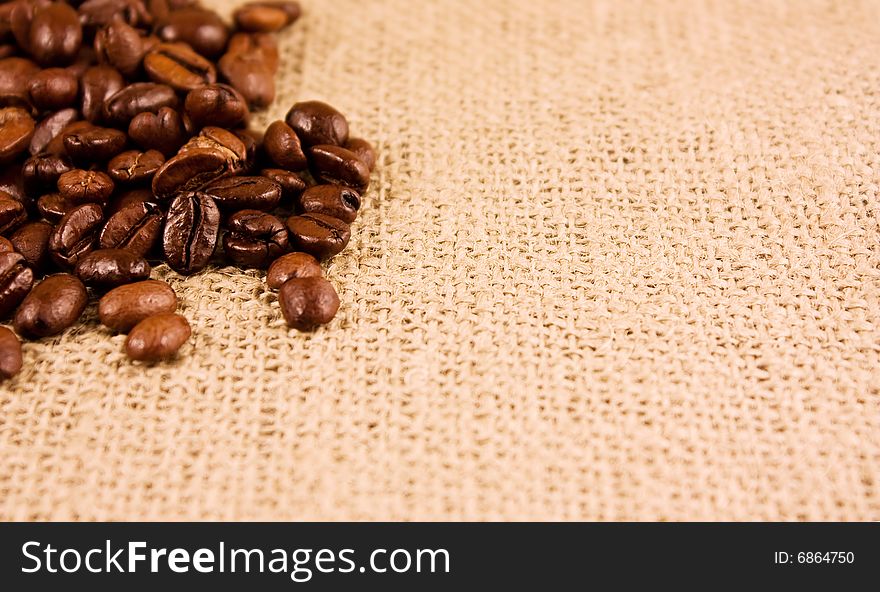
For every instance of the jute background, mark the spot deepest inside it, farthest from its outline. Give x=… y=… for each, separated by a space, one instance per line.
x=620 y=260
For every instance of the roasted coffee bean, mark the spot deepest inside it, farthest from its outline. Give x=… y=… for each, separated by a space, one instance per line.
x=334 y=200
x=216 y=104
x=178 y=66
x=53 y=206
x=292 y=265
x=318 y=235
x=190 y=234
x=40 y=172
x=55 y=34
x=16 y=74
x=135 y=227
x=94 y=144
x=283 y=148
x=51 y=307
x=6 y=245
x=163 y=131
x=318 y=123
x=76 y=234
x=53 y=89
x=202 y=29
x=157 y=337
x=16 y=279
x=32 y=241
x=95 y=14
x=292 y=185
x=56 y=144
x=266 y=17
x=80 y=186
x=12 y=213
x=238 y=193
x=136 y=98
x=108 y=268
x=85 y=59
x=332 y=164
x=10 y=354
x=249 y=65
x=12 y=183
x=122 y=308
x=49 y=128
x=252 y=144
x=128 y=197
x=364 y=150
x=134 y=166
x=97 y=85
x=120 y=45
x=213 y=154
x=16 y=130
x=255 y=238
x=307 y=302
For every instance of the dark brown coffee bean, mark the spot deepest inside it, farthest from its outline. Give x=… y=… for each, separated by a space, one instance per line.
x=50 y=127
x=307 y=302
x=95 y=14
x=134 y=166
x=76 y=234
x=122 y=308
x=16 y=74
x=128 y=197
x=255 y=238
x=40 y=172
x=318 y=123
x=16 y=280
x=120 y=45
x=157 y=337
x=202 y=29
x=136 y=98
x=252 y=142
x=332 y=164
x=53 y=206
x=318 y=235
x=266 y=17
x=237 y=193
x=94 y=144
x=21 y=16
x=292 y=185
x=10 y=354
x=51 y=307
x=163 y=131
x=249 y=65
x=334 y=200
x=97 y=85
x=108 y=268
x=53 y=89
x=364 y=150
x=32 y=241
x=283 y=148
x=6 y=245
x=178 y=66
x=216 y=104
x=12 y=214
x=190 y=234
x=56 y=144
x=16 y=130
x=135 y=227
x=55 y=34
x=213 y=154
x=292 y=265
x=80 y=186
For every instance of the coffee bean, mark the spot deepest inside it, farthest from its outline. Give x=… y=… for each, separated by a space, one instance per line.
x=10 y=354
x=80 y=186
x=332 y=164
x=134 y=166
x=318 y=235
x=157 y=337
x=76 y=234
x=97 y=85
x=51 y=307
x=40 y=172
x=163 y=131
x=292 y=265
x=136 y=98
x=122 y=308
x=16 y=74
x=16 y=130
x=120 y=45
x=255 y=238
x=216 y=104
x=283 y=148
x=135 y=227
x=94 y=144
x=178 y=66
x=364 y=150
x=266 y=17
x=203 y=30
x=128 y=197
x=334 y=200
x=50 y=127
x=6 y=245
x=252 y=144
x=12 y=213
x=307 y=302
x=237 y=193
x=108 y=268
x=32 y=241
x=249 y=65
x=318 y=123
x=53 y=89
x=292 y=185
x=190 y=234
x=95 y=14
x=213 y=154
x=55 y=34
x=53 y=206
x=16 y=280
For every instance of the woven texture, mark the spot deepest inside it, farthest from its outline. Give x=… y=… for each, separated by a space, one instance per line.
x=619 y=260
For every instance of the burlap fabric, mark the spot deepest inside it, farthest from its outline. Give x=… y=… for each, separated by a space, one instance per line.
x=620 y=260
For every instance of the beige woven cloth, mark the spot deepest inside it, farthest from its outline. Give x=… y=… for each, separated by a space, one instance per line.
x=620 y=260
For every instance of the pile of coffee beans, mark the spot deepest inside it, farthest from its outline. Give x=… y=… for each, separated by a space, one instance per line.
x=124 y=142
